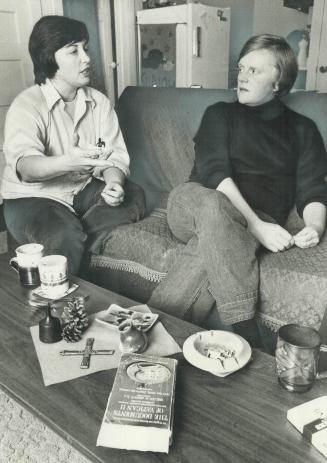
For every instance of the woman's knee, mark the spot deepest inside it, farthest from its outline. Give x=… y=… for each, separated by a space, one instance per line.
x=180 y=215
x=69 y=232
x=68 y=240
x=192 y=206
x=217 y=206
x=58 y=229
x=186 y=205
x=189 y=194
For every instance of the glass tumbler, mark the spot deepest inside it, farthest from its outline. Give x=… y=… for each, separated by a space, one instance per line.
x=297 y=355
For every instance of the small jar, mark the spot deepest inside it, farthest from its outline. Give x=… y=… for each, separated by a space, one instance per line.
x=132 y=338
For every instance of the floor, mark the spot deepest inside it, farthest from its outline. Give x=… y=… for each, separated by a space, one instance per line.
x=24 y=438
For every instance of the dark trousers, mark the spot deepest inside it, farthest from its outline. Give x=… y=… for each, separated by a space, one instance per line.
x=52 y=224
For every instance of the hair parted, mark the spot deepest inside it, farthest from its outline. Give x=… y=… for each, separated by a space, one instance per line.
x=285 y=58
x=50 y=34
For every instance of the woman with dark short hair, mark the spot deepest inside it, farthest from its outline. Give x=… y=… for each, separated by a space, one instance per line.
x=254 y=160
x=66 y=160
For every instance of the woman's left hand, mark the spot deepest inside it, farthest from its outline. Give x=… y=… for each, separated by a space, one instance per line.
x=308 y=237
x=113 y=193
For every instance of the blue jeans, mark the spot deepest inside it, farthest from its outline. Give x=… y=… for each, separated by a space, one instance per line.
x=220 y=254
x=61 y=231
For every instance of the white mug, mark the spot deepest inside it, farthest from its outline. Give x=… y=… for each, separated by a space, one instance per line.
x=28 y=255
x=53 y=272
x=26 y=263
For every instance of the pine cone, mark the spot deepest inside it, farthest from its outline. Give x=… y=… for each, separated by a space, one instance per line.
x=75 y=320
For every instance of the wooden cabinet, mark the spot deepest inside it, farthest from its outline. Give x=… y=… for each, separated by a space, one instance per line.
x=184 y=46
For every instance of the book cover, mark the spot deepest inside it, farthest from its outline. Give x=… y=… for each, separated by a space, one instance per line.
x=310 y=419
x=139 y=412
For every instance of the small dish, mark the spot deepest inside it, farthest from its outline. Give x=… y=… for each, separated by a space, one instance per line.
x=115 y=315
x=219 y=352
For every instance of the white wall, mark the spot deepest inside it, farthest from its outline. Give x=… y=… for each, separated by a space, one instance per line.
x=251 y=17
x=241 y=27
x=270 y=16
x=126 y=42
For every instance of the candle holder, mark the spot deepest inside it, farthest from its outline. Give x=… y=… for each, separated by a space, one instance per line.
x=50 y=327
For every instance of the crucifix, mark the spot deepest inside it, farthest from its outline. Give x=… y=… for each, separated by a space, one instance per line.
x=87 y=352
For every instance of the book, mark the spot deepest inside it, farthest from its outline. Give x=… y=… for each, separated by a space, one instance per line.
x=115 y=315
x=140 y=409
x=310 y=419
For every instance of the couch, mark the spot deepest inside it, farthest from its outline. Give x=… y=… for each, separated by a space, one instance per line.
x=158 y=125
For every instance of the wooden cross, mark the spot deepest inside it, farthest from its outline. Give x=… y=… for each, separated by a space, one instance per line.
x=87 y=352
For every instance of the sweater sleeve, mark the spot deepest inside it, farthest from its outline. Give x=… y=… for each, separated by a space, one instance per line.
x=311 y=183
x=212 y=163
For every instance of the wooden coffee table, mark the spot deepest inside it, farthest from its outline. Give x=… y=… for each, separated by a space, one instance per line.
x=241 y=418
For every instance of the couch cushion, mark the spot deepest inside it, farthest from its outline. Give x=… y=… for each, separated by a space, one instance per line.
x=293 y=286
x=139 y=255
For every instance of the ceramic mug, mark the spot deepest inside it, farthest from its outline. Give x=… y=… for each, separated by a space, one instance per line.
x=26 y=263
x=297 y=356
x=53 y=272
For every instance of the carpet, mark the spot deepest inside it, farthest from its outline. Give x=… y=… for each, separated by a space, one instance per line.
x=25 y=439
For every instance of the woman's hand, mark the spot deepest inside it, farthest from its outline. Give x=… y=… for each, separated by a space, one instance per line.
x=272 y=236
x=84 y=160
x=76 y=159
x=308 y=237
x=314 y=216
x=113 y=193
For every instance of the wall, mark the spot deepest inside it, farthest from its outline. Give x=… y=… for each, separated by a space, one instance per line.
x=251 y=17
x=271 y=16
x=242 y=12
x=126 y=46
x=241 y=26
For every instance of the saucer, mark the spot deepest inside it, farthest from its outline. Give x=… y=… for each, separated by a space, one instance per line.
x=38 y=292
x=219 y=352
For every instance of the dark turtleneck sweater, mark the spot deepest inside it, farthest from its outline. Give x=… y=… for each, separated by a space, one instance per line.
x=275 y=156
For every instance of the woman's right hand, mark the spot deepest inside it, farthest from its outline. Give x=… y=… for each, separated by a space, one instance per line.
x=272 y=236
x=84 y=160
